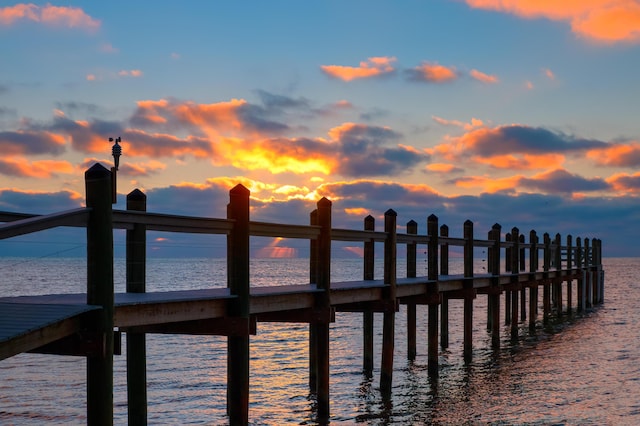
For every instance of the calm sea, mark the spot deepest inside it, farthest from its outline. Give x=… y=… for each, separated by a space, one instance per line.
x=583 y=371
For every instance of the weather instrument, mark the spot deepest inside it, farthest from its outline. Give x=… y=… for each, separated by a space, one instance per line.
x=116 y=151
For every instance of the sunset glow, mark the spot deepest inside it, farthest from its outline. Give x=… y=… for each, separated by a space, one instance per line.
x=455 y=108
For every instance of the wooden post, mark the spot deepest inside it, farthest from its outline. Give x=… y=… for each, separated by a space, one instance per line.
x=507 y=267
x=515 y=270
x=412 y=249
x=323 y=302
x=468 y=284
x=587 y=267
x=580 y=284
x=444 y=251
x=389 y=316
x=313 y=278
x=100 y=292
x=488 y=270
x=533 y=289
x=136 y=342
x=444 y=302
x=238 y=283
x=494 y=297
x=369 y=266
x=433 y=292
x=546 y=296
x=558 y=281
x=523 y=290
x=600 y=272
x=570 y=268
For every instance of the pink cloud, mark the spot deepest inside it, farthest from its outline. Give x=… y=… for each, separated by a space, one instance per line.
x=433 y=73
x=373 y=67
x=475 y=123
x=482 y=77
x=130 y=73
x=53 y=16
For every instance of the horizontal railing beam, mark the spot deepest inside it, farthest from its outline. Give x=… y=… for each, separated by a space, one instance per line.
x=171 y=223
x=356 y=235
x=76 y=217
x=264 y=229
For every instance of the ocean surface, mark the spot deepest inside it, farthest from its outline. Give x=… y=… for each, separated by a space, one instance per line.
x=584 y=370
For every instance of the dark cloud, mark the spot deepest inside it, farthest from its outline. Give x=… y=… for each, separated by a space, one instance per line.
x=523 y=139
x=80 y=108
x=627 y=182
x=37 y=203
x=374 y=114
x=27 y=142
x=369 y=151
x=561 y=181
x=257 y=118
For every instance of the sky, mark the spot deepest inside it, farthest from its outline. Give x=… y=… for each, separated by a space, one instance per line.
x=517 y=112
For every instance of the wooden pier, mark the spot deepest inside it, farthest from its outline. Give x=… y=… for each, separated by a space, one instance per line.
x=90 y=324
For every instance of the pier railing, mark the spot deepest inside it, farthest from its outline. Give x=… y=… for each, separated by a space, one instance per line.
x=513 y=266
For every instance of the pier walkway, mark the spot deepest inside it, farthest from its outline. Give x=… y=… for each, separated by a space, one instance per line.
x=90 y=324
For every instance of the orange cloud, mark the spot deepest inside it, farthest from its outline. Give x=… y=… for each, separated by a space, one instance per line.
x=475 y=122
x=625 y=183
x=441 y=168
x=54 y=16
x=598 y=20
x=522 y=162
x=434 y=73
x=482 y=77
x=44 y=169
x=488 y=184
x=617 y=155
x=357 y=211
x=373 y=67
x=141 y=169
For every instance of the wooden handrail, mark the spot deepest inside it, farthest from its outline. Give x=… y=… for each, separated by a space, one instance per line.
x=75 y=217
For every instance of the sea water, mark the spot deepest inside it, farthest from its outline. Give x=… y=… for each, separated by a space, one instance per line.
x=583 y=370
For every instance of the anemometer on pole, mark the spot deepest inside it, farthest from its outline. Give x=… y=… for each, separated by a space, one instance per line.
x=116 y=151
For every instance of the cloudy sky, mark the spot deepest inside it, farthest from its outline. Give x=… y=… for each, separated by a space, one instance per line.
x=521 y=112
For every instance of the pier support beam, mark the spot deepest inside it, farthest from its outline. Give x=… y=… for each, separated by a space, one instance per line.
x=470 y=292
x=100 y=292
x=444 y=302
x=367 y=316
x=320 y=330
x=515 y=270
x=238 y=283
x=433 y=291
x=557 y=286
x=412 y=229
x=494 y=296
x=389 y=316
x=569 y=266
x=136 y=342
x=546 y=291
x=581 y=302
x=533 y=288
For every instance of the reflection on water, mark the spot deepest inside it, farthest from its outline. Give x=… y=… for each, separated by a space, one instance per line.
x=589 y=373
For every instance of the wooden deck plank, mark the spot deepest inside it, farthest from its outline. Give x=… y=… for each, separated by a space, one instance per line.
x=29 y=315
x=26 y=326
